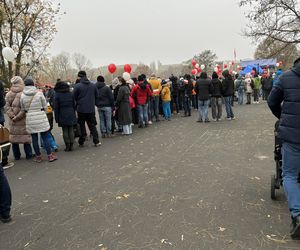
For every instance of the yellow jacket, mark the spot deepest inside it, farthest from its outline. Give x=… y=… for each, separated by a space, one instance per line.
x=156 y=85
x=166 y=94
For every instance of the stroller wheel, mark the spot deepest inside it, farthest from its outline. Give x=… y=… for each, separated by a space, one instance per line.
x=273 y=187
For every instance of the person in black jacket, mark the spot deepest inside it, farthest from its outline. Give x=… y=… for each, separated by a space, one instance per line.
x=86 y=96
x=64 y=112
x=203 y=89
x=266 y=84
x=216 y=97
x=188 y=87
x=228 y=91
x=284 y=102
x=105 y=104
x=175 y=93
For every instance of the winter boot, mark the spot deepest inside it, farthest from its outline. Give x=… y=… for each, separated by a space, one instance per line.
x=67 y=147
x=71 y=147
x=52 y=157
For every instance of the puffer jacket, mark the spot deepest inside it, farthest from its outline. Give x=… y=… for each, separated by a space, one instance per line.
x=248 y=83
x=17 y=117
x=284 y=102
x=34 y=104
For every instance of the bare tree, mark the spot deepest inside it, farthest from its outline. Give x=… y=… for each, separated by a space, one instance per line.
x=27 y=26
x=275 y=19
x=81 y=62
x=284 y=52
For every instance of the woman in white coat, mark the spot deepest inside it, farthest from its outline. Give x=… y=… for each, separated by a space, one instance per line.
x=34 y=104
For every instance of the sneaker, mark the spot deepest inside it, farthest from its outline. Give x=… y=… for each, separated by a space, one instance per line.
x=295 y=228
x=207 y=121
x=5 y=219
x=214 y=120
x=38 y=159
x=232 y=118
x=52 y=157
x=9 y=165
x=150 y=122
x=228 y=118
x=97 y=144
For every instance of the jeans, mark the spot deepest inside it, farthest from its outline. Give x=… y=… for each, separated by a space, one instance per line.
x=143 y=114
x=256 y=95
x=35 y=143
x=5 y=194
x=228 y=106
x=195 y=101
x=105 y=114
x=68 y=134
x=241 y=97
x=291 y=170
x=51 y=141
x=167 y=110
x=216 y=107
x=17 y=153
x=187 y=105
x=266 y=94
x=203 y=110
x=155 y=107
x=90 y=119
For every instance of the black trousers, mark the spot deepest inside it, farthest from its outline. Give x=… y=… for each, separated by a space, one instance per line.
x=5 y=194
x=90 y=119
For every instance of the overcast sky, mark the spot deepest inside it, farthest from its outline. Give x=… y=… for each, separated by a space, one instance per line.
x=133 y=31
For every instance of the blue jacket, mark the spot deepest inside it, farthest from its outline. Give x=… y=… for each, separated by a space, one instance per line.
x=284 y=102
x=64 y=105
x=86 y=95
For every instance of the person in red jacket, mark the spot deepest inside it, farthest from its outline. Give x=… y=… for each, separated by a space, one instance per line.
x=141 y=93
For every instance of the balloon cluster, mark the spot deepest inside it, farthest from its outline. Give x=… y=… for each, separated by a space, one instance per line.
x=197 y=67
x=127 y=70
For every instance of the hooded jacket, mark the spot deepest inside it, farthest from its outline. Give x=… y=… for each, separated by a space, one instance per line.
x=85 y=95
x=228 y=86
x=17 y=117
x=141 y=93
x=216 y=88
x=284 y=102
x=105 y=95
x=34 y=104
x=64 y=105
x=203 y=89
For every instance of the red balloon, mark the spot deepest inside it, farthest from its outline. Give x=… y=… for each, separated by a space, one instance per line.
x=230 y=72
x=194 y=71
x=127 y=68
x=225 y=66
x=112 y=68
x=194 y=62
x=218 y=66
x=198 y=70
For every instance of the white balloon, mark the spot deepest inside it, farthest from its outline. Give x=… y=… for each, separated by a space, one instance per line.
x=8 y=54
x=197 y=66
x=126 y=76
x=277 y=64
x=202 y=66
x=216 y=69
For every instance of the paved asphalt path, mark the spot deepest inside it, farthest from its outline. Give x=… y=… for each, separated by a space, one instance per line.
x=175 y=185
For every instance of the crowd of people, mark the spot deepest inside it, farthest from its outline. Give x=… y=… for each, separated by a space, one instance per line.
x=121 y=104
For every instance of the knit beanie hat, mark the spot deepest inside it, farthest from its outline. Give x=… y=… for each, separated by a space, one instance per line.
x=81 y=73
x=29 y=82
x=215 y=75
x=100 y=79
x=16 y=79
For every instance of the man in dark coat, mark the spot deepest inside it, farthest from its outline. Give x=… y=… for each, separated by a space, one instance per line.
x=216 y=97
x=228 y=91
x=86 y=95
x=105 y=104
x=284 y=102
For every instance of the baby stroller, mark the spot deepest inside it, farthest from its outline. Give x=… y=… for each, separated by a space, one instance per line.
x=276 y=179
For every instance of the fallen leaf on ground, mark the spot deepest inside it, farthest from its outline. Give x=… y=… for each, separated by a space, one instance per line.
x=275 y=240
x=126 y=196
x=257 y=178
x=45 y=201
x=119 y=198
x=222 y=229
